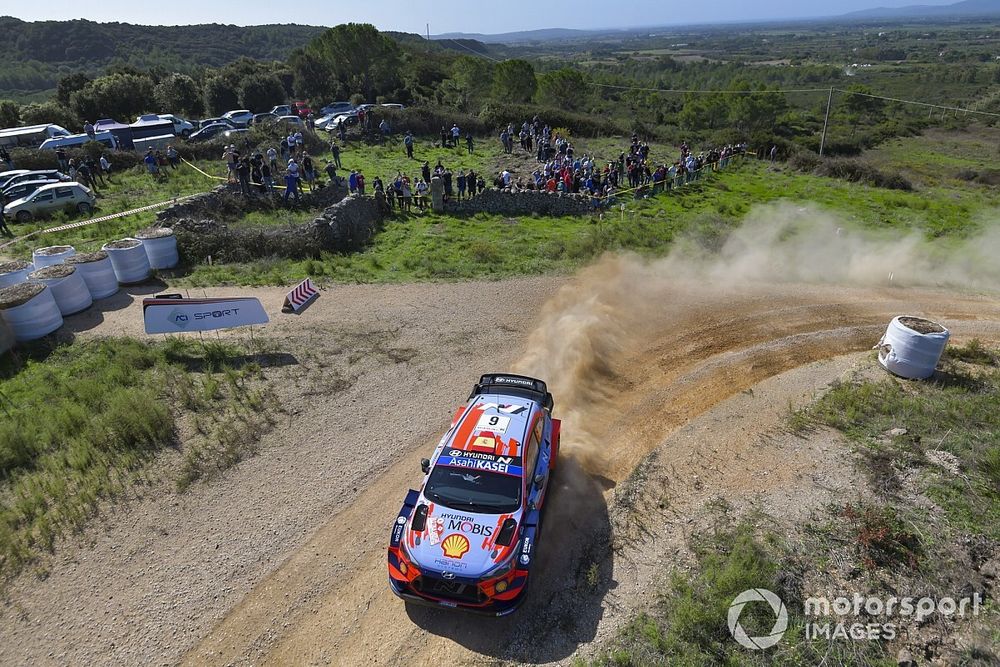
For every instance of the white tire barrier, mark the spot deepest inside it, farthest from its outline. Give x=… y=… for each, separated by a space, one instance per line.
x=912 y=347
x=12 y=273
x=161 y=247
x=67 y=286
x=97 y=272
x=56 y=254
x=30 y=310
x=129 y=260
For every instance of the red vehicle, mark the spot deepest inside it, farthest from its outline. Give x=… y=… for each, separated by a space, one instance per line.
x=301 y=109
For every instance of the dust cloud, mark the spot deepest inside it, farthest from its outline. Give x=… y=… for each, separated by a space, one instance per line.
x=622 y=299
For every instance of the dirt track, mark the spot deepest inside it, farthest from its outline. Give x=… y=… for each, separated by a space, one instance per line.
x=281 y=561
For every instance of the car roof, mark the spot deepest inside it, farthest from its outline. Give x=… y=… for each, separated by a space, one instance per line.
x=60 y=184
x=493 y=424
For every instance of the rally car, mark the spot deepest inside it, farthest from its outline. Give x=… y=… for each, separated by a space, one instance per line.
x=467 y=538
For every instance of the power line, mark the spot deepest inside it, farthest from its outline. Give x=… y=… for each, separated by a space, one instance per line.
x=922 y=104
x=709 y=92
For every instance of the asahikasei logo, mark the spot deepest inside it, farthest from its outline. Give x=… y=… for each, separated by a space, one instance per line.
x=780 y=623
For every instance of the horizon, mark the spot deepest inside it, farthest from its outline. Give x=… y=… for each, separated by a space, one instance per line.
x=450 y=16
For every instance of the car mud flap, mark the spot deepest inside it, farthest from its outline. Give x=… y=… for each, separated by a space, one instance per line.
x=404 y=513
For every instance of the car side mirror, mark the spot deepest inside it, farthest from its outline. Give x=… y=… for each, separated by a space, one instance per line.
x=419 y=518
x=539 y=479
x=425 y=465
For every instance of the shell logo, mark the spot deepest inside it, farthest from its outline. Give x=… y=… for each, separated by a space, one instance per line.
x=455 y=545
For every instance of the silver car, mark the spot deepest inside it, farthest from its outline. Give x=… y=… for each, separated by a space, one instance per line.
x=50 y=199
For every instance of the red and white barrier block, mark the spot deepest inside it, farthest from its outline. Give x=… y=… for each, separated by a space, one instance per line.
x=303 y=293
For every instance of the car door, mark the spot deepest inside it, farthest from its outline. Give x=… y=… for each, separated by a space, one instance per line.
x=43 y=202
x=66 y=198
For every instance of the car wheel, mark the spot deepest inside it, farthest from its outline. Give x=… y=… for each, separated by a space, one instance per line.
x=23 y=216
x=84 y=208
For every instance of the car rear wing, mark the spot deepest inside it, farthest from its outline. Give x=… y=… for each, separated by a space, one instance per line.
x=514 y=385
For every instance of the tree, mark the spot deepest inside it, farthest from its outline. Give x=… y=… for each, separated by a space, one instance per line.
x=312 y=77
x=219 y=95
x=179 y=94
x=69 y=84
x=514 y=81
x=361 y=58
x=49 y=112
x=10 y=113
x=260 y=92
x=564 y=88
x=120 y=96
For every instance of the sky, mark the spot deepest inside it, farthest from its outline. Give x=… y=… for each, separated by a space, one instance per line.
x=473 y=16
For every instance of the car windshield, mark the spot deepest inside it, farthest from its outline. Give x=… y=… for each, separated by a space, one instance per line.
x=474 y=490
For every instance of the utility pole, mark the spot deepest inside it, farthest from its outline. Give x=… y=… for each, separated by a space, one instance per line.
x=826 y=122
x=428 y=32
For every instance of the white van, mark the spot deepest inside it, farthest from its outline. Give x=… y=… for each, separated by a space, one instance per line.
x=30 y=136
x=77 y=140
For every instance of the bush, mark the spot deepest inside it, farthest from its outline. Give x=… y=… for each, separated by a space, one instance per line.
x=496 y=115
x=37 y=159
x=428 y=120
x=856 y=171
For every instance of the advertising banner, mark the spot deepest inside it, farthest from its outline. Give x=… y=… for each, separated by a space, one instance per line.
x=171 y=313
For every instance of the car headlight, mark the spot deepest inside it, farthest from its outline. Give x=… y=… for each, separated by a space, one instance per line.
x=503 y=570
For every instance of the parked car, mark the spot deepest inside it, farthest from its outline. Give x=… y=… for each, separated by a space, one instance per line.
x=336 y=108
x=22 y=189
x=6 y=176
x=240 y=116
x=469 y=536
x=35 y=175
x=51 y=198
x=182 y=128
x=281 y=110
x=321 y=123
x=291 y=121
x=77 y=140
x=235 y=134
x=393 y=105
x=350 y=119
x=210 y=131
x=209 y=121
x=263 y=119
x=300 y=109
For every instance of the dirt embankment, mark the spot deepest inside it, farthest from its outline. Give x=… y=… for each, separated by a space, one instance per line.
x=281 y=561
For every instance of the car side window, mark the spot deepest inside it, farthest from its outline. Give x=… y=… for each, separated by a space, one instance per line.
x=45 y=196
x=63 y=193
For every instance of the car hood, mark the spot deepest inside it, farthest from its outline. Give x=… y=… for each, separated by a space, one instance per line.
x=460 y=542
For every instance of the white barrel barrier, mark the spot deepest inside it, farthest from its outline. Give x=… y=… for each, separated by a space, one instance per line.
x=129 y=260
x=30 y=310
x=12 y=273
x=67 y=285
x=161 y=247
x=97 y=272
x=912 y=347
x=56 y=254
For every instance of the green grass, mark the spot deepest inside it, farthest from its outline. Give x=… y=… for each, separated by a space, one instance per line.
x=955 y=413
x=81 y=420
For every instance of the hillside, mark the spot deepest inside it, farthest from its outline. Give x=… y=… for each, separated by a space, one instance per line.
x=39 y=53
x=958 y=9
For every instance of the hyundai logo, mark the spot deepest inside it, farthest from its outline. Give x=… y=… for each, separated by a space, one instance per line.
x=448 y=575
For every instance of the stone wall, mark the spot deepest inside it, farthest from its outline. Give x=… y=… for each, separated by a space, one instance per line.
x=526 y=202
x=344 y=227
x=226 y=203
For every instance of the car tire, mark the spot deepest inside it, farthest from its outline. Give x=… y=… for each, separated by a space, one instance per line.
x=23 y=216
x=83 y=208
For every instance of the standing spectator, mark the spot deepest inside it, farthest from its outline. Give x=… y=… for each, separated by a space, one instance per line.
x=3 y=221
x=408 y=142
x=308 y=170
x=444 y=137
x=94 y=172
x=230 y=156
x=172 y=157
x=285 y=151
x=361 y=183
x=469 y=142
x=361 y=118
x=341 y=130
x=243 y=174
x=88 y=129
x=384 y=128
x=456 y=135
x=311 y=121
x=5 y=157
x=150 y=161
x=446 y=178
x=61 y=159
x=105 y=167
x=331 y=172
x=352 y=182
x=425 y=171
x=461 y=184
x=774 y=152
x=267 y=177
x=292 y=180
x=272 y=159
x=335 y=151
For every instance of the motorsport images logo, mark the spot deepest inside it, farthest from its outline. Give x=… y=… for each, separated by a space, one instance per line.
x=780 y=622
